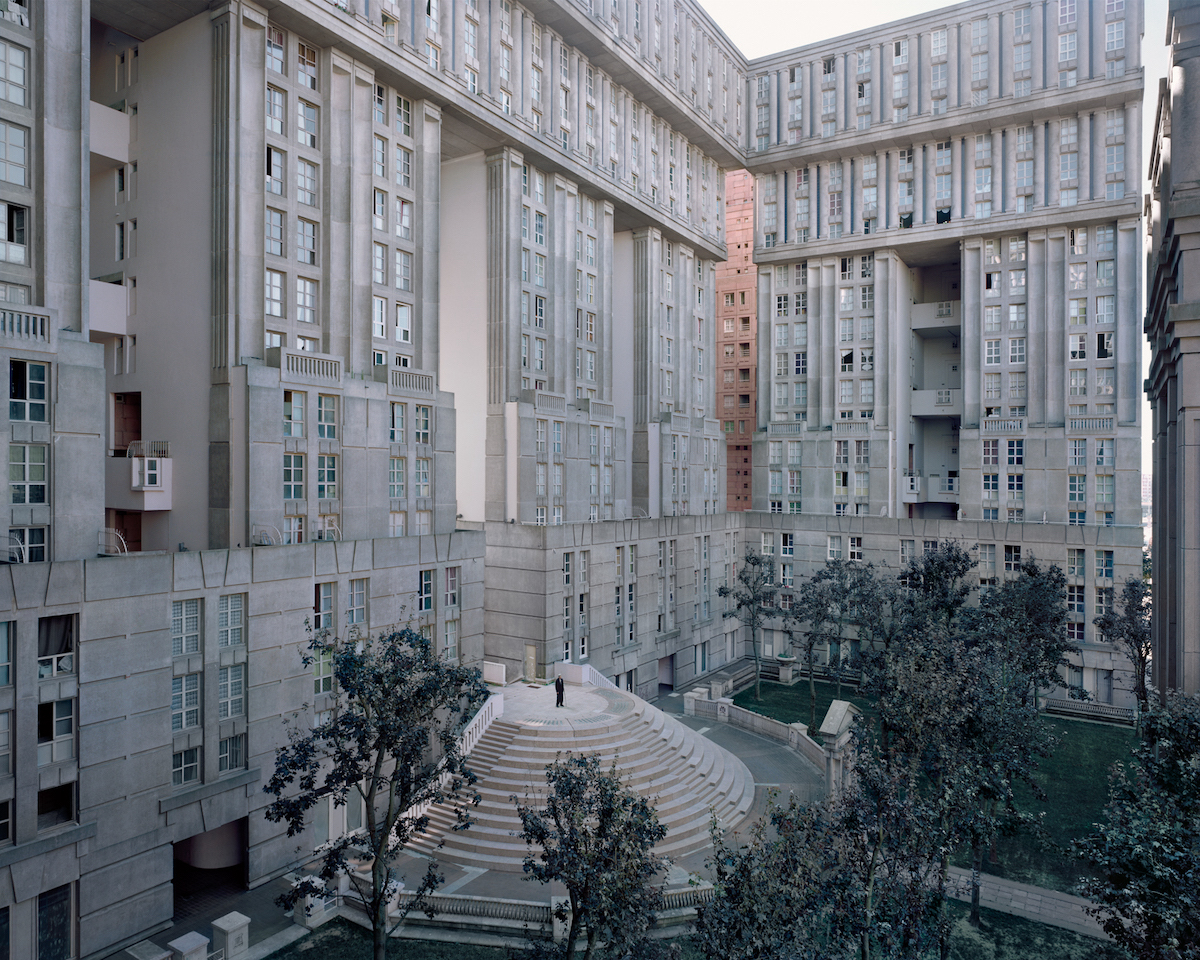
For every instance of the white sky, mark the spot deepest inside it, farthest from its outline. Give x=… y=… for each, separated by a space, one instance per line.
x=761 y=27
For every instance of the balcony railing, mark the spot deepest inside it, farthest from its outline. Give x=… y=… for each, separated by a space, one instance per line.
x=948 y=485
x=310 y=365
x=852 y=427
x=1010 y=425
x=1090 y=424
x=412 y=382
x=19 y=325
x=149 y=448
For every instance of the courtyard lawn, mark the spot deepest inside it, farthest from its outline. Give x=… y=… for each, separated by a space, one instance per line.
x=1074 y=778
x=1005 y=937
x=1001 y=937
x=790 y=704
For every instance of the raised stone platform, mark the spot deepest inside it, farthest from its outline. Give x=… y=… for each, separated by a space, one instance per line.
x=687 y=776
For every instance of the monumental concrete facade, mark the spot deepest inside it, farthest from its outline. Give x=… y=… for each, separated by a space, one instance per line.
x=358 y=315
x=946 y=233
x=1173 y=329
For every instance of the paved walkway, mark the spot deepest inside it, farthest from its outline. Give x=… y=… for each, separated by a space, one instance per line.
x=777 y=772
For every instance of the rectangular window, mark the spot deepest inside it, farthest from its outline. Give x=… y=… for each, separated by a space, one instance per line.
x=274 y=233
x=404 y=159
x=27 y=391
x=421 y=482
x=452 y=578
x=425 y=590
x=293 y=413
x=27 y=473
x=185 y=627
x=306 y=123
x=326 y=417
x=230 y=622
x=231 y=691
x=396 y=474
x=326 y=476
x=232 y=753
x=306 y=183
x=185 y=768
x=185 y=701
x=293 y=476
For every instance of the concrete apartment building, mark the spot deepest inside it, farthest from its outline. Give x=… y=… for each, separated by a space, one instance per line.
x=381 y=313
x=1173 y=328
x=737 y=329
x=346 y=313
x=947 y=229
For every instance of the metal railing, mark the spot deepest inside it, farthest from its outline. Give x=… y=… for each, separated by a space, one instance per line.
x=160 y=449
x=112 y=544
x=265 y=534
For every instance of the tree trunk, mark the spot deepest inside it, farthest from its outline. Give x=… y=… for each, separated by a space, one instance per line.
x=379 y=933
x=757 y=665
x=572 y=934
x=378 y=908
x=976 y=866
x=812 y=693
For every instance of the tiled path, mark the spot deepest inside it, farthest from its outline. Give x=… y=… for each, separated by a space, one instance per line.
x=776 y=770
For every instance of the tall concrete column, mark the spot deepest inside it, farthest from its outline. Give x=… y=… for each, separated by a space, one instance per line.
x=971 y=325
x=918 y=183
x=829 y=340
x=427 y=117
x=1085 y=156
x=840 y=94
x=877 y=93
x=884 y=193
x=1001 y=173
x=1037 y=14
x=996 y=51
x=1133 y=152
x=646 y=462
x=1040 y=190
x=1084 y=49
x=1054 y=170
x=1129 y=327
x=1054 y=345
x=886 y=319
x=963 y=169
x=1038 y=364
x=953 y=59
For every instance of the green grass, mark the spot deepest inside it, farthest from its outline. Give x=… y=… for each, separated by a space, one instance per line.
x=1074 y=778
x=341 y=940
x=1001 y=937
x=790 y=704
x=1004 y=937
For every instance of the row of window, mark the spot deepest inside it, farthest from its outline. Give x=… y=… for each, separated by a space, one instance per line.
x=1022 y=83
x=294 y=417
x=326 y=487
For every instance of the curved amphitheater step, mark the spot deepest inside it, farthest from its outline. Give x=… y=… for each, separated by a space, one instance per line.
x=686 y=776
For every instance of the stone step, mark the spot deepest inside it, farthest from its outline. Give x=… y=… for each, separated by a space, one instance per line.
x=687 y=777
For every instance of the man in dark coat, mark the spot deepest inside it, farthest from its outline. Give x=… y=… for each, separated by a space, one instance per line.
x=558 y=691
